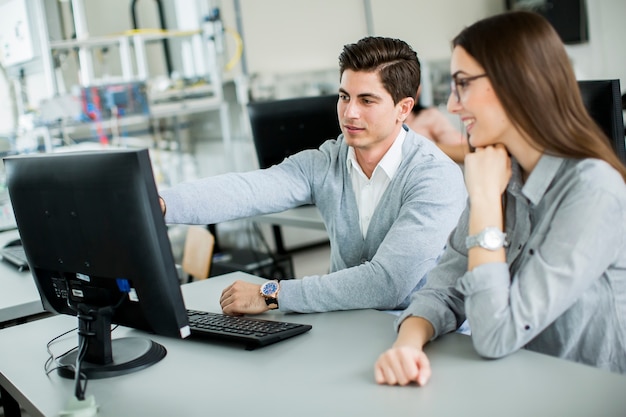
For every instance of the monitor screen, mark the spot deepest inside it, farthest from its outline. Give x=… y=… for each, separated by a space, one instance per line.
x=568 y=17
x=602 y=98
x=97 y=245
x=284 y=127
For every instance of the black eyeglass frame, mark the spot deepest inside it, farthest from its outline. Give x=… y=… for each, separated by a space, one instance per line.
x=455 y=83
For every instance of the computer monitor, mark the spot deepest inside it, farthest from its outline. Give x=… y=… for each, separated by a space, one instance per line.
x=602 y=98
x=97 y=244
x=568 y=17
x=281 y=128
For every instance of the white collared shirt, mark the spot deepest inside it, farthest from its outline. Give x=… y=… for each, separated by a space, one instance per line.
x=368 y=191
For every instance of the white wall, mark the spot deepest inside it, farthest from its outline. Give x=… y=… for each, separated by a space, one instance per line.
x=293 y=36
x=428 y=25
x=604 y=56
x=287 y=35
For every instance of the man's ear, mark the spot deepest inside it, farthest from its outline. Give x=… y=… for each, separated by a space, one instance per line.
x=405 y=105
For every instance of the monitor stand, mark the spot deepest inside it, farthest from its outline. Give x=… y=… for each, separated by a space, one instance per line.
x=103 y=357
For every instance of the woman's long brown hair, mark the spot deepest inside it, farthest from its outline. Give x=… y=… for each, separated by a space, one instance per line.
x=534 y=80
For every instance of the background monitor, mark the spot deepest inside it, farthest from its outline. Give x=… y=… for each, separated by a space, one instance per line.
x=568 y=17
x=602 y=98
x=97 y=245
x=283 y=127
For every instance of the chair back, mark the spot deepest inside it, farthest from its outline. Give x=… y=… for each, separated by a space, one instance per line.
x=603 y=101
x=197 y=253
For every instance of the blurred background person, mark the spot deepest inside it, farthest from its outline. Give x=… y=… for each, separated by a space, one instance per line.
x=433 y=124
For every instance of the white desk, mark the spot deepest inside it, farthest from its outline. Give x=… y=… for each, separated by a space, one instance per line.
x=327 y=371
x=19 y=297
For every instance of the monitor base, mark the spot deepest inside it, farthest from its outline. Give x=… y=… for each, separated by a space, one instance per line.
x=130 y=354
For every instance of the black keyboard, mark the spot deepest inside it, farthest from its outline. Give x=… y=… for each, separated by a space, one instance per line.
x=15 y=256
x=252 y=332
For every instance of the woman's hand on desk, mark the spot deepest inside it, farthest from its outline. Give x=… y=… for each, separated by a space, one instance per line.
x=402 y=365
x=406 y=362
x=242 y=297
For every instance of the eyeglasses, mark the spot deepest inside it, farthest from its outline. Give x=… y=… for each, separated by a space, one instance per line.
x=457 y=85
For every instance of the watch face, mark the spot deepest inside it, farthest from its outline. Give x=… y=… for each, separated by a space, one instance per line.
x=269 y=288
x=492 y=240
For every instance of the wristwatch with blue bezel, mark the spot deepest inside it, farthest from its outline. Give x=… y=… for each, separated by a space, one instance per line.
x=269 y=291
x=490 y=238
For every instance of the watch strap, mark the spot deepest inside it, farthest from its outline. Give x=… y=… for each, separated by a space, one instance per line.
x=471 y=241
x=271 y=301
x=477 y=240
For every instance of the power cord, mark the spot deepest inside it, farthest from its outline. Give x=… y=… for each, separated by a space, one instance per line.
x=80 y=405
x=51 y=358
x=79 y=389
x=85 y=407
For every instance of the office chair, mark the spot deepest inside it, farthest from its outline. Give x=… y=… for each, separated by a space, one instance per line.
x=197 y=253
x=602 y=99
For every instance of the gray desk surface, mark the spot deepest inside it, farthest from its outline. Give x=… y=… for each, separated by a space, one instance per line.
x=19 y=297
x=306 y=216
x=325 y=372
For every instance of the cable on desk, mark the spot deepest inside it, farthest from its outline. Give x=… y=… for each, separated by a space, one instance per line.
x=79 y=390
x=86 y=315
x=51 y=358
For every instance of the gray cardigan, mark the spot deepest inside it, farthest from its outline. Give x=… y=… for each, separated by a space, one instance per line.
x=406 y=235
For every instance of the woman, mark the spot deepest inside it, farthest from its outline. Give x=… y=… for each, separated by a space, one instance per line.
x=544 y=174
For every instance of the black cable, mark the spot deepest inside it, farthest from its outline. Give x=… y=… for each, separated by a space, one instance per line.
x=88 y=316
x=51 y=357
x=54 y=359
x=79 y=390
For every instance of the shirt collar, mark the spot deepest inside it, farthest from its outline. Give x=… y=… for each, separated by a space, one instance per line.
x=541 y=177
x=389 y=163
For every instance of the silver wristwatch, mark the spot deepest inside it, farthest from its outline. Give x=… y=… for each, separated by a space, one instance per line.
x=490 y=238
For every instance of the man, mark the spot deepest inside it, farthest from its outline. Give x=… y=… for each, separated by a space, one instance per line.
x=389 y=197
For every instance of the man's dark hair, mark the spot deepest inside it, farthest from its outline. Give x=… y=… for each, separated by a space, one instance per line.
x=393 y=59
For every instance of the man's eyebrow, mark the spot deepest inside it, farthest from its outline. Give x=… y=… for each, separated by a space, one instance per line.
x=369 y=95
x=362 y=95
